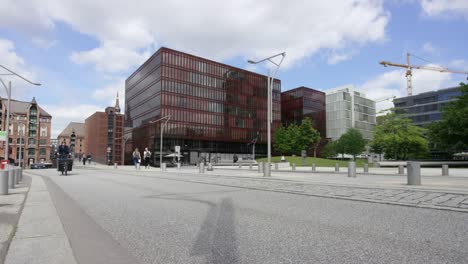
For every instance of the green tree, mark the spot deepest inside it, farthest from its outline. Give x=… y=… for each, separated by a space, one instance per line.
x=451 y=133
x=399 y=139
x=329 y=150
x=308 y=136
x=282 y=140
x=352 y=142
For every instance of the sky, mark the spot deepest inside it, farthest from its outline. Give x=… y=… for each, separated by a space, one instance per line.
x=81 y=51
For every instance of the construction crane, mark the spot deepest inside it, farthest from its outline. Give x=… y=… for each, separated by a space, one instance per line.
x=409 y=68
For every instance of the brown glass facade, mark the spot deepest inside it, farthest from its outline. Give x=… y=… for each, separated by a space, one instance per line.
x=213 y=107
x=302 y=102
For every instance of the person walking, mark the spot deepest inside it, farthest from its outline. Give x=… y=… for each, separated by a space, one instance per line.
x=147 y=156
x=136 y=158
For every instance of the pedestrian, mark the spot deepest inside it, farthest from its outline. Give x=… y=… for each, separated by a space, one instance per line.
x=235 y=158
x=147 y=156
x=89 y=158
x=136 y=158
x=84 y=160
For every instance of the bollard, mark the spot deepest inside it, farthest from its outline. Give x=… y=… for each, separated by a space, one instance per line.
x=260 y=167
x=276 y=166
x=313 y=167
x=178 y=165
x=414 y=173
x=250 y=166
x=163 y=167
x=16 y=175
x=266 y=169
x=21 y=174
x=366 y=168
x=201 y=169
x=115 y=165
x=240 y=166
x=3 y=182
x=401 y=169
x=352 y=169
x=445 y=171
x=11 y=179
x=337 y=167
x=293 y=167
x=210 y=167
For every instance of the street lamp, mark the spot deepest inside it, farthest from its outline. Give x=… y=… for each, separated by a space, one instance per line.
x=8 y=91
x=267 y=170
x=167 y=118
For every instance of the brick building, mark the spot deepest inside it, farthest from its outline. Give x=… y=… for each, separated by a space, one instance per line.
x=30 y=128
x=74 y=132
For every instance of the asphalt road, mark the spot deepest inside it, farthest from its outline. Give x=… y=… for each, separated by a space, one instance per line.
x=148 y=217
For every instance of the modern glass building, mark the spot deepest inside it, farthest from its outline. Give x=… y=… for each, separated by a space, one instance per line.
x=214 y=109
x=302 y=102
x=347 y=108
x=425 y=108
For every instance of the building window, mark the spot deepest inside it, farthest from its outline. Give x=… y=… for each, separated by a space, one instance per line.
x=43 y=131
x=31 y=152
x=43 y=142
x=42 y=151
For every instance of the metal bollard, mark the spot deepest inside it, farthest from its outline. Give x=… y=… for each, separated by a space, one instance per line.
x=16 y=175
x=276 y=166
x=414 y=173
x=366 y=168
x=250 y=166
x=163 y=167
x=11 y=179
x=201 y=169
x=240 y=166
x=3 y=182
x=266 y=169
x=20 y=174
x=314 y=169
x=115 y=165
x=210 y=167
x=337 y=167
x=178 y=165
x=445 y=171
x=260 y=167
x=293 y=166
x=401 y=169
x=352 y=169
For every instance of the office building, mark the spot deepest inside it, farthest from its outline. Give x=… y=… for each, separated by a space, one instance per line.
x=302 y=102
x=103 y=132
x=29 y=130
x=425 y=108
x=347 y=108
x=215 y=110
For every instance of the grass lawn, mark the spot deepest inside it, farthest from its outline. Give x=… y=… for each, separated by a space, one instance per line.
x=319 y=162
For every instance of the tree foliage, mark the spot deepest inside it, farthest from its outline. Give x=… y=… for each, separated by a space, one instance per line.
x=352 y=142
x=293 y=139
x=451 y=133
x=399 y=139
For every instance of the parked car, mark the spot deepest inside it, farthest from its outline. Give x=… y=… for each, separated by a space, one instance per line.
x=38 y=166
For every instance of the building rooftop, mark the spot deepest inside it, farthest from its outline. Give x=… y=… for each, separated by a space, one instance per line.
x=73 y=126
x=20 y=107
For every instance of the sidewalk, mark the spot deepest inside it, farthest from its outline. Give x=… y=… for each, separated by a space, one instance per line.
x=39 y=237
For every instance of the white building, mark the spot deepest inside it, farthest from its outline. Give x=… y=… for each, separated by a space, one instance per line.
x=348 y=108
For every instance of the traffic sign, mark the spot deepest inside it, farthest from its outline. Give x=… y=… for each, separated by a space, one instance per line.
x=2 y=135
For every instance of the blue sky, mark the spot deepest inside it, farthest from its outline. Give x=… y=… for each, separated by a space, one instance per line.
x=82 y=51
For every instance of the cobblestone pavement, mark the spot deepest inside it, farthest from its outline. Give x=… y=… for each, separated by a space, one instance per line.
x=404 y=196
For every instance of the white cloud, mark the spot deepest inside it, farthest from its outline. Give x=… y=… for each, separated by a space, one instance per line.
x=11 y=60
x=337 y=57
x=393 y=83
x=108 y=93
x=445 y=8
x=429 y=48
x=44 y=43
x=62 y=115
x=460 y=65
x=214 y=29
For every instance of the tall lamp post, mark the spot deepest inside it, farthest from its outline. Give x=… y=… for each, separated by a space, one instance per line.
x=270 y=80
x=8 y=91
x=166 y=118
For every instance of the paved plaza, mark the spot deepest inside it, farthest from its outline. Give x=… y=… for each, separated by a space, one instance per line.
x=99 y=214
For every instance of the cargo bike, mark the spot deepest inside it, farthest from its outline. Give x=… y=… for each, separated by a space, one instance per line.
x=64 y=164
